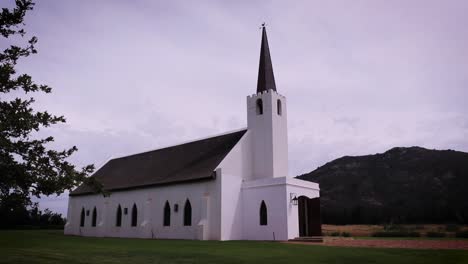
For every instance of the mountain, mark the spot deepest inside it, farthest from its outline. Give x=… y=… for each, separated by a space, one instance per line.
x=402 y=185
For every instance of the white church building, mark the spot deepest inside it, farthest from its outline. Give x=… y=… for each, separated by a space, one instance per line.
x=233 y=186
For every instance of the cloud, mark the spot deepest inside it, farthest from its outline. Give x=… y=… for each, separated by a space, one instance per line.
x=360 y=76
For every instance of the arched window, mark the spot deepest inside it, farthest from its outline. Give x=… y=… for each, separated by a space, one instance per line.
x=263 y=214
x=259 y=107
x=167 y=214
x=278 y=106
x=118 y=221
x=82 y=218
x=134 y=215
x=94 y=218
x=187 y=213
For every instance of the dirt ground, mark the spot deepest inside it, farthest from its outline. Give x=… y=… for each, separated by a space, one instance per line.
x=367 y=230
x=392 y=243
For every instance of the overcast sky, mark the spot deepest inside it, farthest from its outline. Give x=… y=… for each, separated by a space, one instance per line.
x=360 y=76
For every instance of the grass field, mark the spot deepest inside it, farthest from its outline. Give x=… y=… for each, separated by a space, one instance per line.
x=43 y=246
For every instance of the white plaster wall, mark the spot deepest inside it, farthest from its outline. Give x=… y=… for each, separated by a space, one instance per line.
x=150 y=203
x=283 y=217
x=273 y=194
x=236 y=167
x=280 y=136
x=239 y=160
x=260 y=129
x=269 y=135
x=231 y=207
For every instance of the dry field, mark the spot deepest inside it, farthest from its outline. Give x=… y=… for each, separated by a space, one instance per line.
x=367 y=230
x=391 y=243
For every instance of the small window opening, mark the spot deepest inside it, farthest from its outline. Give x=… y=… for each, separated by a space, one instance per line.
x=134 y=215
x=94 y=218
x=167 y=214
x=263 y=214
x=82 y=218
x=118 y=221
x=259 y=107
x=279 y=108
x=187 y=213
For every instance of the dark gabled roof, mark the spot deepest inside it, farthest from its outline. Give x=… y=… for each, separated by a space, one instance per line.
x=187 y=162
x=266 y=79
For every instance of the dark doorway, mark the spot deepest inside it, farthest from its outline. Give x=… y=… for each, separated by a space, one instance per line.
x=310 y=223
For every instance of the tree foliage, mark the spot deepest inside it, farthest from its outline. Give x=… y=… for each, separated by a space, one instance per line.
x=28 y=167
x=32 y=218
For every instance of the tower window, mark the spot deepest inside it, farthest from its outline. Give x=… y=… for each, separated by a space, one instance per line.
x=167 y=214
x=134 y=215
x=263 y=214
x=94 y=218
x=259 y=107
x=187 y=213
x=118 y=220
x=278 y=106
x=82 y=218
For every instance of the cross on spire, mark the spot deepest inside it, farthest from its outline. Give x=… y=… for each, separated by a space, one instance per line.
x=266 y=78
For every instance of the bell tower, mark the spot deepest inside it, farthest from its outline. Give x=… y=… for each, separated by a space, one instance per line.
x=267 y=121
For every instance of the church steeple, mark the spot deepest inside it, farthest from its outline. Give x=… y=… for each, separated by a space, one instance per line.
x=266 y=79
x=267 y=122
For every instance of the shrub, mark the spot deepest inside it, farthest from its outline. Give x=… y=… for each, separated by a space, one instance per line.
x=335 y=234
x=396 y=234
x=346 y=234
x=462 y=234
x=435 y=234
x=391 y=227
x=36 y=227
x=413 y=234
x=452 y=228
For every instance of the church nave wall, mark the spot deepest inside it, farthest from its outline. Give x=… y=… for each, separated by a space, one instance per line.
x=150 y=203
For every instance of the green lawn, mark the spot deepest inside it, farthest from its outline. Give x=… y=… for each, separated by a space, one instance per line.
x=53 y=247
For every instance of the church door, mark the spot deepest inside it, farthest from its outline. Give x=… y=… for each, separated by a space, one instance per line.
x=310 y=223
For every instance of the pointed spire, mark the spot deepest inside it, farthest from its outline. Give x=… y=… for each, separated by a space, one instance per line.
x=266 y=79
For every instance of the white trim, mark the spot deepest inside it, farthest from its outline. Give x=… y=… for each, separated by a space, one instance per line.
x=280 y=181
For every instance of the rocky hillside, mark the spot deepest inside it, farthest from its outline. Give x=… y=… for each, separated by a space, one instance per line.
x=402 y=185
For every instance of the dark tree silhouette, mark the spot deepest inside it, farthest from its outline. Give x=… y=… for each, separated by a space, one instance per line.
x=28 y=167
